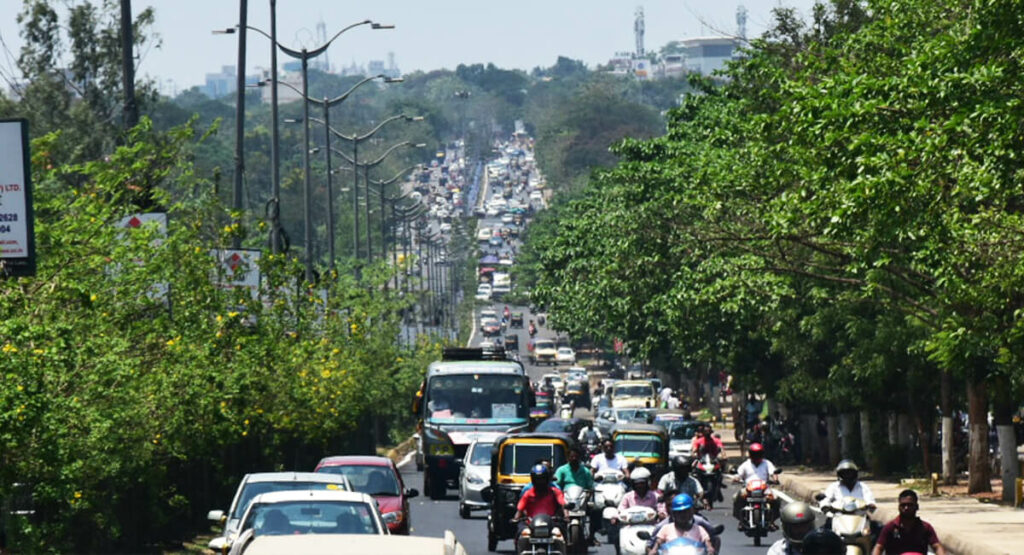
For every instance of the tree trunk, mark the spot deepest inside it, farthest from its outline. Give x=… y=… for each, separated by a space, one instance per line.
x=1002 y=417
x=866 y=439
x=833 y=439
x=847 y=423
x=946 y=404
x=924 y=439
x=809 y=437
x=893 y=429
x=979 y=480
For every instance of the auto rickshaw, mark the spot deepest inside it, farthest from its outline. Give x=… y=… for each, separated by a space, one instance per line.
x=543 y=408
x=578 y=391
x=511 y=459
x=512 y=342
x=516 y=320
x=643 y=444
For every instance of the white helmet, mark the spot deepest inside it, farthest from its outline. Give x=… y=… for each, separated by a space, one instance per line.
x=640 y=474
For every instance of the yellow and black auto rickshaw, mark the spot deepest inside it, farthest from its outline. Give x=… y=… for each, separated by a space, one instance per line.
x=643 y=445
x=511 y=459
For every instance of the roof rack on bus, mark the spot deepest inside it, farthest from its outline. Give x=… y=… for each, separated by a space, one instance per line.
x=473 y=353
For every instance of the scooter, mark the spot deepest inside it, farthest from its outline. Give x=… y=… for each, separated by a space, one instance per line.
x=633 y=522
x=577 y=505
x=848 y=518
x=609 y=489
x=708 y=471
x=542 y=537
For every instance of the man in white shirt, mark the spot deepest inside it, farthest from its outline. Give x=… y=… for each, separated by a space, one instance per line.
x=848 y=485
x=610 y=460
x=756 y=467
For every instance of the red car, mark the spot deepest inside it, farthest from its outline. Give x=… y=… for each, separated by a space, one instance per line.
x=380 y=478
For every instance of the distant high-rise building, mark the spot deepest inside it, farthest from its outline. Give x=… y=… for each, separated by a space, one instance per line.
x=705 y=55
x=220 y=84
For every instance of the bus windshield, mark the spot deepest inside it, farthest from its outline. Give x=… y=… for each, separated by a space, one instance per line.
x=476 y=396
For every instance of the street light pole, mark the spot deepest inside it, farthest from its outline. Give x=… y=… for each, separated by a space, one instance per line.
x=307 y=190
x=275 y=156
x=236 y=203
x=330 y=188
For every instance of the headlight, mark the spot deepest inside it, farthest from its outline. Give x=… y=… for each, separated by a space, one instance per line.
x=475 y=480
x=394 y=517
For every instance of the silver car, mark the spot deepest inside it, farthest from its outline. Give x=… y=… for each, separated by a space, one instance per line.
x=474 y=476
x=266 y=482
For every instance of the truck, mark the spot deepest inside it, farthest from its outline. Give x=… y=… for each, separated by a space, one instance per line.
x=470 y=394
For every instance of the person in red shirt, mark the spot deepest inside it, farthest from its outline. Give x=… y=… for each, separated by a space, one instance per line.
x=708 y=443
x=541 y=499
x=907 y=533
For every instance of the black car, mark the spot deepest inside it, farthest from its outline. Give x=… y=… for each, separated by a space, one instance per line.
x=568 y=426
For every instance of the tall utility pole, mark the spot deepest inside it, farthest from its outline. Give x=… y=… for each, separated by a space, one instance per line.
x=243 y=24
x=131 y=109
x=275 y=195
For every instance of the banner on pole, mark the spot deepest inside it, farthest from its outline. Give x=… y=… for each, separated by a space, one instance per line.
x=17 y=238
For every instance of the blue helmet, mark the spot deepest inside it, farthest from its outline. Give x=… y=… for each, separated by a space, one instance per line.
x=538 y=470
x=682 y=502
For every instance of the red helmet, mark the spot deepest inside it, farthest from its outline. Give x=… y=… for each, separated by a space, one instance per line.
x=756 y=449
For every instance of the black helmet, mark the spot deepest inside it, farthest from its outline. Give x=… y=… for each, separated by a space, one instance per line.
x=846 y=468
x=823 y=541
x=681 y=462
x=797 y=521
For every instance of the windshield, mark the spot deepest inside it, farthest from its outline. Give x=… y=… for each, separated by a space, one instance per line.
x=478 y=396
x=632 y=391
x=518 y=458
x=252 y=489
x=638 y=445
x=481 y=455
x=305 y=517
x=544 y=345
x=371 y=480
x=555 y=425
x=682 y=430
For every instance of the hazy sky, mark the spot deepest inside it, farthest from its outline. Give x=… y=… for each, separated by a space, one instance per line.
x=428 y=35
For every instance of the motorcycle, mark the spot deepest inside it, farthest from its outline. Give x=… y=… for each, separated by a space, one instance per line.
x=756 y=515
x=636 y=524
x=848 y=517
x=708 y=471
x=543 y=537
x=577 y=505
x=682 y=546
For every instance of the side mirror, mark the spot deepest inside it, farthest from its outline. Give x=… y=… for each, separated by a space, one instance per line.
x=216 y=516
x=412 y=492
x=819 y=496
x=643 y=535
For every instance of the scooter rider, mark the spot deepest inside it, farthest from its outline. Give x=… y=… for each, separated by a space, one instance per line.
x=610 y=460
x=848 y=485
x=540 y=499
x=756 y=467
x=642 y=494
x=590 y=437
x=682 y=526
x=797 y=522
x=679 y=480
x=575 y=473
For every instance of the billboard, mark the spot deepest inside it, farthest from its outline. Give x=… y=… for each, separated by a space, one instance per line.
x=17 y=244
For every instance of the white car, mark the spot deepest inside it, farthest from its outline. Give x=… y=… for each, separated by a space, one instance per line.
x=445 y=228
x=475 y=476
x=492 y=212
x=556 y=380
x=259 y=483
x=287 y=513
x=537 y=196
x=565 y=355
x=507 y=219
x=484 y=234
x=483 y=292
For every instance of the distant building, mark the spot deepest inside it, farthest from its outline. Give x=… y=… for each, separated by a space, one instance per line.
x=705 y=55
x=220 y=84
x=673 y=65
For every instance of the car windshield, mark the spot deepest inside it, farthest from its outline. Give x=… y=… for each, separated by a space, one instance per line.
x=544 y=344
x=477 y=396
x=252 y=489
x=307 y=516
x=632 y=391
x=682 y=430
x=634 y=415
x=554 y=425
x=565 y=351
x=368 y=479
x=481 y=454
x=638 y=445
x=518 y=458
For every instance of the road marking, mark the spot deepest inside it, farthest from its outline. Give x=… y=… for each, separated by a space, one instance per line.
x=785 y=497
x=407 y=459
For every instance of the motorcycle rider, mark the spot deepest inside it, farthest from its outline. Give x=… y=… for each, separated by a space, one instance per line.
x=610 y=460
x=847 y=485
x=797 y=522
x=642 y=494
x=907 y=533
x=590 y=437
x=540 y=499
x=708 y=443
x=679 y=480
x=682 y=526
x=576 y=473
x=756 y=467
x=531 y=329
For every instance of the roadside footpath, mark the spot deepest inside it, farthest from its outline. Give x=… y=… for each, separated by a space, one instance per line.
x=964 y=525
